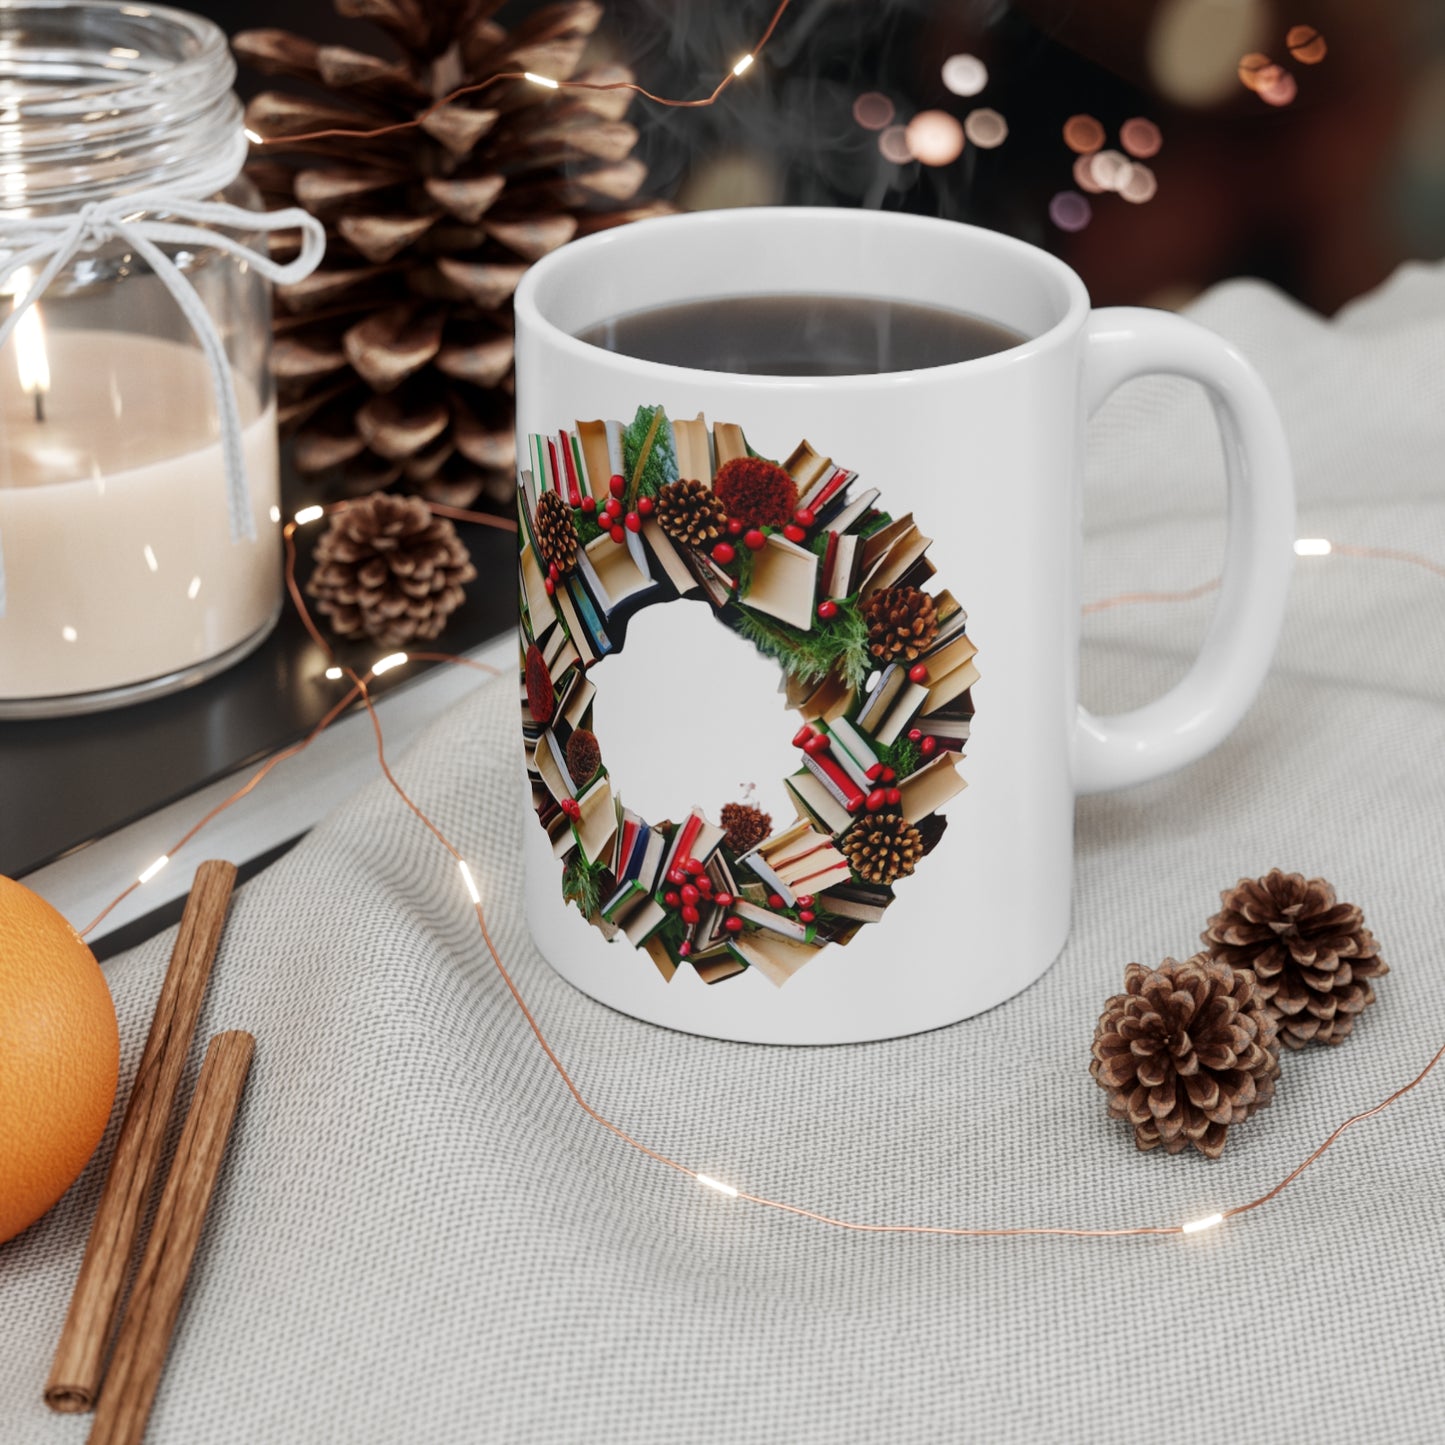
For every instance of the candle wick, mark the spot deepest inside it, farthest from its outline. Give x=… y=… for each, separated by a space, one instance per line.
x=39 y=404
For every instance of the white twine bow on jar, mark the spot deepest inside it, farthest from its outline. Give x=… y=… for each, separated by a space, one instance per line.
x=52 y=242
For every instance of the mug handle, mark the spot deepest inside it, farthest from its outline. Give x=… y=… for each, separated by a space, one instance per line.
x=1203 y=708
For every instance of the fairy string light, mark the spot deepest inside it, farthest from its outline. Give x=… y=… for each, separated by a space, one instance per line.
x=546 y=82
x=360 y=690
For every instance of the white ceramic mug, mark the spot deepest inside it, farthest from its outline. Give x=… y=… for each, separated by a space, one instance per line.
x=823 y=934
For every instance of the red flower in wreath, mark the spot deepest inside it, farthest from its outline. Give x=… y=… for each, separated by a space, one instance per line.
x=541 y=695
x=756 y=492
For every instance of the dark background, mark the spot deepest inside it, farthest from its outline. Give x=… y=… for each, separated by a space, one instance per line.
x=1323 y=196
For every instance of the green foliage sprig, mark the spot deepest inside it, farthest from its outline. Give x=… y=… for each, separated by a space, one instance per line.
x=839 y=645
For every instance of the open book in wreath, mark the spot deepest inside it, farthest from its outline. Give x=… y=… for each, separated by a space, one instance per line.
x=801 y=560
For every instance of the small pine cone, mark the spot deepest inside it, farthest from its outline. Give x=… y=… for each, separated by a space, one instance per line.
x=756 y=492
x=1313 y=957
x=744 y=827
x=1184 y=1052
x=584 y=755
x=902 y=623
x=388 y=570
x=556 y=536
x=882 y=847
x=689 y=513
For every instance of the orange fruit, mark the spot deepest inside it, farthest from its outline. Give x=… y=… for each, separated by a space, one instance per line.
x=59 y=1056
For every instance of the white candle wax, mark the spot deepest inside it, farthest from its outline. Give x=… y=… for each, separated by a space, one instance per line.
x=114 y=522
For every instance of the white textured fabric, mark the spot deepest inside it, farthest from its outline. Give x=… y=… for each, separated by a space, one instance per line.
x=418 y=1237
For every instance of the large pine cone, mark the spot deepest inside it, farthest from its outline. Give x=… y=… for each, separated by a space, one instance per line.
x=882 y=847
x=689 y=513
x=1185 y=1051
x=388 y=570
x=1314 y=957
x=902 y=623
x=556 y=536
x=394 y=360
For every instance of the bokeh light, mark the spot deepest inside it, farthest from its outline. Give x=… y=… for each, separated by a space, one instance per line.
x=1306 y=44
x=985 y=128
x=934 y=137
x=1140 y=137
x=1194 y=46
x=1252 y=66
x=1277 y=86
x=1070 y=211
x=872 y=110
x=893 y=142
x=1110 y=170
x=1083 y=134
x=1139 y=185
x=1084 y=175
x=965 y=74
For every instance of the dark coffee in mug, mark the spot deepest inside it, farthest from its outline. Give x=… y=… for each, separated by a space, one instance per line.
x=801 y=335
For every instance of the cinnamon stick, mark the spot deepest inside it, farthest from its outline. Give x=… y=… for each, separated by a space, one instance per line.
x=75 y=1372
x=155 y=1298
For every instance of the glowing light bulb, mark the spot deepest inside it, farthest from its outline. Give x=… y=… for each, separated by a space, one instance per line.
x=1195 y=1226
x=709 y=1182
x=541 y=80
x=469 y=880
x=256 y=140
x=154 y=868
x=742 y=64
x=385 y=664
x=309 y=514
x=1313 y=547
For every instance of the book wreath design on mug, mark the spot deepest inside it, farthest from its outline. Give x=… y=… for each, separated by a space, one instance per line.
x=615 y=517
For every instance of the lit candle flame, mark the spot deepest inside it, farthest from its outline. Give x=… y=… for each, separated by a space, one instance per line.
x=31 y=359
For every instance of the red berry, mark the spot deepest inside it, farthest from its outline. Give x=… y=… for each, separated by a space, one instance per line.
x=571 y=808
x=816 y=744
x=690 y=895
x=753 y=539
x=733 y=923
x=805 y=900
x=613 y=507
x=689 y=913
x=854 y=804
x=894 y=797
x=550 y=585
x=914 y=734
x=889 y=775
x=617 y=534
x=875 y=772
x=724 y=900
x=807 y=916
x=724 y=553
x=794 y=533
x=918 y=673
x=589 y=505
x=827 y=611
x=875 y=800
x=676 y=877
x=802 y=735
x=775 y=900
x=804 y=517
x=671 y=899
x=691 y=865
x=704 y=885
x=928 y=747
x=552 y=571
x=684 y=948
x=735 y=527
x=617 y=485
x=633 y=522
x=644 y=505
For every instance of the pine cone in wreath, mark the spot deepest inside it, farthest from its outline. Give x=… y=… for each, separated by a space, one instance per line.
x=584 y=755
x=689 y=513
x=556 y=536
x=1313 y=956
x=744 y=826
x=1187 y=1050
x=541 y=695
x=756 y=492
x=882 y=847
x=388 y=570
x=902 y=623
x=394 y=360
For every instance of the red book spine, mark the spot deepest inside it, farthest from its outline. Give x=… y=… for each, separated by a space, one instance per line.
x=853 y=799
x=556 y=474
x=574 y=496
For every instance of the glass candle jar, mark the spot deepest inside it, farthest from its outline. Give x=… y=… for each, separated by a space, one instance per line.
x=130 y=569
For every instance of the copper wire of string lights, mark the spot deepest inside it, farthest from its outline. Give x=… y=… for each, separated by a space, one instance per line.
x=546 y=82
x=360 y=689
